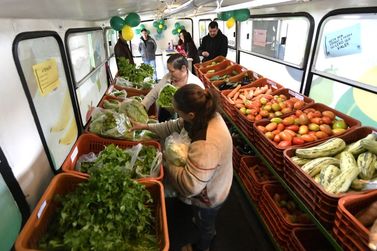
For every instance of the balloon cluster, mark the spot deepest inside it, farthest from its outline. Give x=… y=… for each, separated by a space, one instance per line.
x=124 y=25
x=160 y=25
x=141 y=27
x=177 y=28
x=232 y=16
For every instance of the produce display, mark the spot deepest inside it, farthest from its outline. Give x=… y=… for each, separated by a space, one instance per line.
x=368 y=217
x=121 y=94
x=338 y=167
x=289 y=209
x=302 y=127
x=231 y=85
x=136 y=77
x=109 y=212
x=224 y=76
x=137 y=162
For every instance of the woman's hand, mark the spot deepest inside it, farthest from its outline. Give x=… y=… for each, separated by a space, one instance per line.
x=138 y=126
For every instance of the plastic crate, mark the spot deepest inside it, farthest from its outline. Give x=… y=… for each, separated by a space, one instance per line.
x=65 y=183
x=218 y=67
x=303 y=239
x=89 y=142
x=324 y=204
x=277 y=151
x=228 y=71
x=132 y=91
x=252 y=170
x=345 y=219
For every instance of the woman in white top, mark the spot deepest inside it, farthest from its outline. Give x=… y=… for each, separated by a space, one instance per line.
x=179 y=75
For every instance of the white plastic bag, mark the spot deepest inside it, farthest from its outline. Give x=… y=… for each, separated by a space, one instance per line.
x=176 y=148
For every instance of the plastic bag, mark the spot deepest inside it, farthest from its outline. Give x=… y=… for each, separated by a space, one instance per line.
x=134 y=110
x=111 y=124
x=85 y=159
x=176 y=148
x=123 y=82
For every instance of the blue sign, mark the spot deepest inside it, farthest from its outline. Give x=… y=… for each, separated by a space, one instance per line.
x=343 y=42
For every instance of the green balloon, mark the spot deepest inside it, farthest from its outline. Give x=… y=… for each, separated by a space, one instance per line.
x=159 y=31
x=117 y=23
x=165 y=26
x=132 y=19
x=242 y=15
x=227 y=15
x=155 y=24
x=175 y=32
x=177 y=25
x=220 y=16
x=162 y=21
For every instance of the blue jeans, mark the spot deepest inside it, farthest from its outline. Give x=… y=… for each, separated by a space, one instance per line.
x=205 y=219
x=152 y=63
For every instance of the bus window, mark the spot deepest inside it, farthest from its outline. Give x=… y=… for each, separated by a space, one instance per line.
x=111 y=40
x=87 y=59
x=344 y=40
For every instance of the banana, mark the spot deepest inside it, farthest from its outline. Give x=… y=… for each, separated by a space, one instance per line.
x=64 y=115
x=70 y=135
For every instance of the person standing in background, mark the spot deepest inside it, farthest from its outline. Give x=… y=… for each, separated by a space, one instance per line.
x=122 y=49
x=147 y=49
x=189 y=46
x=214 y=44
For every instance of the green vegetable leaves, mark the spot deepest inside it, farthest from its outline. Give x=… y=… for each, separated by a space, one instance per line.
x=165 y=98
x=136 y=75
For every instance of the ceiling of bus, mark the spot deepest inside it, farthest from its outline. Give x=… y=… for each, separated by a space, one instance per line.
x=95 y=10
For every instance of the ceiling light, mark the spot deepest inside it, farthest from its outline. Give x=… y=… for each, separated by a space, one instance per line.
x=252 y=4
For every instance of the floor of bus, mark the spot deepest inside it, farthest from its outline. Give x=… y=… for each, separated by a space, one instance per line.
x=237 y=226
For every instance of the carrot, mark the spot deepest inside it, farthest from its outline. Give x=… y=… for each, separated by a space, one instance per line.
x=238 y=101
x=236 y=95
x=231 y=94
x=231 y=101
x=251 y=94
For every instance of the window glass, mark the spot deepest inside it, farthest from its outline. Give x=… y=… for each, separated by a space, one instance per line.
x=86 y=51
x=46 y=82
x=278 y=38
x=203 y=28
x=111 y=40
x=352 y=101
x=10 y=217
x=344 y=40
x=229 y=32
x=245 y=35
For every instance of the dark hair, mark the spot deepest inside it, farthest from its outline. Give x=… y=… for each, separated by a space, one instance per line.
x=178 y=61
x=202 y=102
x=213 y=25
x=186 y=36
x=144 y=30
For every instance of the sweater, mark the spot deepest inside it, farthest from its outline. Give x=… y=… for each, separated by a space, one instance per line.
x=147 y=49
x=207 y=176
x=216 y=46
x=153 y=94
x=122 y=49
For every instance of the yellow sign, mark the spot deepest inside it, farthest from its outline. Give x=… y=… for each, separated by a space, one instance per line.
x=47 y=76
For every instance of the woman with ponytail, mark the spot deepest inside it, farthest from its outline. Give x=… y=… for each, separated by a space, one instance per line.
x=206 y=178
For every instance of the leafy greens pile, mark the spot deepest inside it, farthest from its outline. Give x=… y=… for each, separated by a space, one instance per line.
x=165 y=98
x=140 y=77
x=107 y=212
x=135 y=162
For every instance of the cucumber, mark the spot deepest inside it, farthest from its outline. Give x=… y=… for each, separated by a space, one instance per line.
x=315 y=166
x=370 y=145
x=327 y=174
x=299 y=161
x=329 y=148
x=356 y=148
x=366 y=163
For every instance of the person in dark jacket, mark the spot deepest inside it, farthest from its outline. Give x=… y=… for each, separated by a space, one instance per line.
x=122 y=49
x=147 y=49
x=214 y=44
x=189 y=46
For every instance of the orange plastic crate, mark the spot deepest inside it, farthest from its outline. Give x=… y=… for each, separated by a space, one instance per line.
x=303 y=239
x=65 y=183
x=89 y=142
x=228 y=71
x=324 y=204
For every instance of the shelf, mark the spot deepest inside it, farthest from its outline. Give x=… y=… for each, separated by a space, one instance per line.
x=301 y=204
x=251 y=202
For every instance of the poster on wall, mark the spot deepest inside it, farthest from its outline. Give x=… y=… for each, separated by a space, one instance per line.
x=343 y=42
x=260 y=37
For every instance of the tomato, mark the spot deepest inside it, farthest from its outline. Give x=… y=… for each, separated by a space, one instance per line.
x=316 y=120
x=297 y=141
x=258 y=117
x=326 y=129
x=329 y=114
x=284 y=143
x=280 y=127
x=298 y=105
x=277 y=138
x=285 y=136
x=303 y=129
x=262 y=128
x=292 y=133
x=321 y=135
x=292 y=127
x=269 y=135
x=307 y=138
x=271 y=126
x=288 y=121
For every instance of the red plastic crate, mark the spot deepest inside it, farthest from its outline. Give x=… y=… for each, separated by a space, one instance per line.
x=228 y=71
x=253 y=76
x=89 y=142
x=277 y=152
x=345 y=219
x=65 y=183
x=303 y=239
x=325 y=204
x=251 y=170
x=217 y=67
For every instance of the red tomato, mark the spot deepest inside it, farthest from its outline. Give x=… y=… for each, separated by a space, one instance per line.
x=285 y=136
x=293 y=128
x=297 y=141
x=284 y=143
